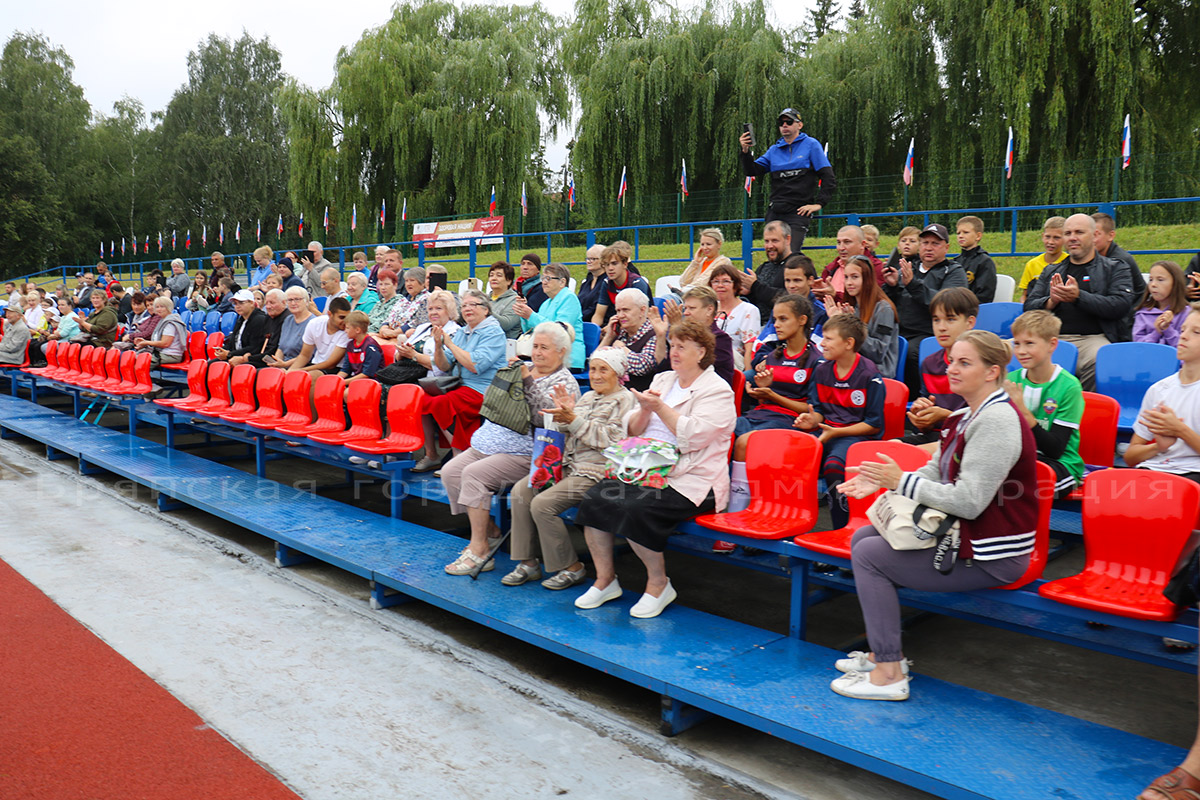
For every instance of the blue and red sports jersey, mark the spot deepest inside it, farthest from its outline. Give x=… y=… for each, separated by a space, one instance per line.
x=792 y=373
x=364 y=359
x=936 y=384
x=856 y=397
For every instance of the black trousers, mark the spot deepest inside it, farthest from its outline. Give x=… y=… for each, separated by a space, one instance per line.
x=798 y=224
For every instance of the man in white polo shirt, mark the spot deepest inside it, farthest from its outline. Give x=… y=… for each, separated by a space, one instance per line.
x=325 y=340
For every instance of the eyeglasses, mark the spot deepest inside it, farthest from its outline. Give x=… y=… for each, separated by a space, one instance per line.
x=552 y=278
x=472 y=305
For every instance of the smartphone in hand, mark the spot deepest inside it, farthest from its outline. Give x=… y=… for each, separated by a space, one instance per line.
x=748 y=127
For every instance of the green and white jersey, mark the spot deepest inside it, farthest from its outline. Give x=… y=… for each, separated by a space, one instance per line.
x=1058 y=401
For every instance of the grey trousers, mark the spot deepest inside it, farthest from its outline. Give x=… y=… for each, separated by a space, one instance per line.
x=471 y=478
x=879 y=570
x=536 y=525
x=1085 y=369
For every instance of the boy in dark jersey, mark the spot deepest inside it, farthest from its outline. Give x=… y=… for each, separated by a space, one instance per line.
x=846 y=396
x=952 y=312
x=782 y=372
x=364 y=356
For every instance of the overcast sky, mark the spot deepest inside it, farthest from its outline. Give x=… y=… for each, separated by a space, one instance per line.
x=127 y=47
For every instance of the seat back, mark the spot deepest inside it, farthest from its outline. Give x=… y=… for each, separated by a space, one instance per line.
x=470 y=283
x=928 y=347
x=218 y=386
x=212 y=321
x=591 y=338
x=268 y=391
x=195 y=321
x=909 y=457
x=781 y=468
x=1065 y=355
x=242 y=387
x=112 y=368
x=1041 y=545
x=52 y=355
x=215 y=340
x=297 y=391
x=895 y=404
x=1125 y=370
x=141 y=374
x=93 y=366
x=1136 y=523
x=1098 y=429
x=739 y=390
x=128 y=376
x=320 y=302
x=71 y=367
x=196 y=341
x=1006 y=288
x=228 y=320
x=404 y=411
x=197 y=378
x=662 y=286
x=362 y=401
x=902 y=359
x=327 y=402
x=998 y=318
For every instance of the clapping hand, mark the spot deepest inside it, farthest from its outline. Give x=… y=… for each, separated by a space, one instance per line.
x=906 y=270
x=564 y=405
x=521 y=308
x=650 y=400
x=885 y=473
x=439 y=336
x=657 y=321
x=673 y=311
x=1164 y=423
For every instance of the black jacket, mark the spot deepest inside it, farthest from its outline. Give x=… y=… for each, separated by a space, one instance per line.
x=1107 y=298
x=981 y=273
x=273 y=332
x=589 y=294
x=254 y=337
x=912 y=300
x=768 y=286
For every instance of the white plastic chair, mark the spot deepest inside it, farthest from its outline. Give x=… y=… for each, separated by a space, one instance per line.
x=662 y=286
x=1006 y=287
x=571 y=285
x=466 y=284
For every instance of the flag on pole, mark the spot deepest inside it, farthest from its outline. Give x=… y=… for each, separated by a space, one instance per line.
x=133 y=244
x=146 y=248
x=749 y=182
x=237 y=233
x=621 y=189
x=258 y=231
x=404 y=210
x=221 y=235
x=112 y=248
x=492 y=202
x=524 y=201
x=1008 y=155
x=908 y=163
x=683 y=178
x=102 y=249
x=1125 y=151
x=173 y=238
x=122 y=245
x=326 y=221
x=279 y=227
x=383 y=216
x=300 y=226
x=354 y=217
x=827 y=149
x=187 y=242
x=204 y=235
x=571 y=192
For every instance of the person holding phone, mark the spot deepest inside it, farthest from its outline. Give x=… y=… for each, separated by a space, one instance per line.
x=312 y=263
x=802 y=179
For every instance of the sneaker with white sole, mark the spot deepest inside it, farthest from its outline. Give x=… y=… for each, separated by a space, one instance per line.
x=522 y=574
x=594 y=598
x=651 y=606
x=565 y=579
x=357 y=460
x=426 y=464
x=858 y=685
x=857 y=661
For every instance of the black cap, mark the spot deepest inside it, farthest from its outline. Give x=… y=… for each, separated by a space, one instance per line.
x=790 y=113
x=937 y=230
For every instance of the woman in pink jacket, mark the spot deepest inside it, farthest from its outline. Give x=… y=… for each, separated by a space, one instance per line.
x=690 y=407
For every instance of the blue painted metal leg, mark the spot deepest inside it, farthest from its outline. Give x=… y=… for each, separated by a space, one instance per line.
x=382 y=597
x=166 y=503
x=287 y=557
x=678 y=716
x=798 y=612
x=86 y=411
x=53 y=454
x=100 y=416
x=87 y=469
x=260 y=456
x=6 y=434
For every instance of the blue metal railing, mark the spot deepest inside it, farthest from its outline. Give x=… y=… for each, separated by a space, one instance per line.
x=426 y=250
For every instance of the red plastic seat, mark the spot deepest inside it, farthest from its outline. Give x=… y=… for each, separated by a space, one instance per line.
x=327 y=401
x=142 y=363
x=242 y=387
x=895 y=406
x=197 y=387
x=63 y=365
x=215 y=340
x=128 y=379
x=362 y=401
x=782 y=468
x=1041 y=545
x=837 y=542
x=51 y=359
x=112 y=367
x=195 y=350
x=297 y=387
x=404 y=420
x=24 y=359
x=739 y=389
x=1136 y=523
x=268 y=391
x=73 y=365
x=93 y=370
x=219 y=399
x=1097 y=433
x=82 y=366
x=389 y=353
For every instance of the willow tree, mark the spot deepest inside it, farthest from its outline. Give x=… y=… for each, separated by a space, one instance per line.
x=436 y=105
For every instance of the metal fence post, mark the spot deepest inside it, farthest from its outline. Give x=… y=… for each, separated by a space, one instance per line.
x=747 y=245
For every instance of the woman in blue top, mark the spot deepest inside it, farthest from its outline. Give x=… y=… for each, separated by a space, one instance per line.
x=473 y=353
x=560 y=306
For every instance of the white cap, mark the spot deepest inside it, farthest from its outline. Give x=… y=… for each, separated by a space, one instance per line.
x=243 y=296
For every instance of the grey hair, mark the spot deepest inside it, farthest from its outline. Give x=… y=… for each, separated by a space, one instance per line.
x=448 y=300
x=163 y=302
x=356 y=277
x=178 y=262
x=279 y=294
x=480 y=296
x=714 y=233
x=315 y=246
x=381 y=249
x=557 y=334
x=296 y=291
x=556 y=270
x=416 y=273
x=775 y=225
x=635 y=296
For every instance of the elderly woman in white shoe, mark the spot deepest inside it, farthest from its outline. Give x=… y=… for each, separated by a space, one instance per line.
x=591 y=424
x=499 y=457
x=690 y=408
x=985 y=473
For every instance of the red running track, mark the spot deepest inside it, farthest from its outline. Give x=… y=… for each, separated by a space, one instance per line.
x=79 y=722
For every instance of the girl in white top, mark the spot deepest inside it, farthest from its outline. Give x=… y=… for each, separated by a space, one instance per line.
x=1164 y=436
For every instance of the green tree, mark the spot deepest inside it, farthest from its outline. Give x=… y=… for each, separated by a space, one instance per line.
x=821 y=19
x=28 y=215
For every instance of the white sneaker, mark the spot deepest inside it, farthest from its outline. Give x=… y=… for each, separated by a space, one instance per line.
x=594 y=598
x=858 y=686
x=857 y=661
x=651 y=606
x=357 y=460
x=374 y=464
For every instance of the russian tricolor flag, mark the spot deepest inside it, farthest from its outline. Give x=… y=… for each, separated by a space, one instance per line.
x=492 y=203
x=622 y=188
x=524 y=201
x=383 y=215
x=300 y=227
x=1125 y=144
x=354 y=217
x=749 y=182
x=571 y=192
x=683 y=177
x=221 y=235
x=908 y=163
x=173 y=232
x=404 y=210
x=1008 y=155
x=279 y=227
x=325 y=224
x=187 y=242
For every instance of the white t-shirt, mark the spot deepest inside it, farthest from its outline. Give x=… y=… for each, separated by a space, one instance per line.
x=317 y=334
x=655 y=427
x=1185 y=402
x=742 y=324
